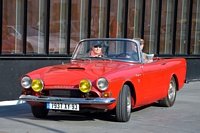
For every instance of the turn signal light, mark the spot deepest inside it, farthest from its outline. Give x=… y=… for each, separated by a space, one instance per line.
x=106 y=94
x=27 y=92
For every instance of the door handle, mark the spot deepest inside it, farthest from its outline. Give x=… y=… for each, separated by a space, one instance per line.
x=163 y=63
x=137 y=75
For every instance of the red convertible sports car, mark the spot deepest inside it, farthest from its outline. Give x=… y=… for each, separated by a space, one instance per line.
x=118 y=80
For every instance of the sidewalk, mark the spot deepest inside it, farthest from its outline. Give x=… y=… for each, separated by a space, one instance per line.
x=12 y=102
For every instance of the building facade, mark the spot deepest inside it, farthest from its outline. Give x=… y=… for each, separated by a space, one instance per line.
x=37 y=33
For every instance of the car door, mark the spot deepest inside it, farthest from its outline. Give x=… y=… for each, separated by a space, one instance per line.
x=154 y=81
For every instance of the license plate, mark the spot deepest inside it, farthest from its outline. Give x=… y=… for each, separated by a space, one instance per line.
x=63 y=106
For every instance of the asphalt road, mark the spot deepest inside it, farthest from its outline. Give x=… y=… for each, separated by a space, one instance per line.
x=183 y=117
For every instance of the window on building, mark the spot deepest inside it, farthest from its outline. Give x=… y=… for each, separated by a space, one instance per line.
x=181 y=27
x=60 y=39
x=79 y=15
x=36 y=21
x=58 y=26
x=116 y=24
x=166 y=27
x=134 y=18
x=98 y=18
x=12 y=27
x=150 y=26
x=195 y=30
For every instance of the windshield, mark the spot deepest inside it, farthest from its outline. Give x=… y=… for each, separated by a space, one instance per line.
x=125 y=50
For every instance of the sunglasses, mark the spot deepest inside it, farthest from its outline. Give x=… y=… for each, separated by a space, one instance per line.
x=98 y=46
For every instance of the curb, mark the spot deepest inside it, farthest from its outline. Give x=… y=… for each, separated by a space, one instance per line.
x=13 y=102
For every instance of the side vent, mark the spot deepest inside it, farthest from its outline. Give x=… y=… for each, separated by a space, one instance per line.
x=75 y=68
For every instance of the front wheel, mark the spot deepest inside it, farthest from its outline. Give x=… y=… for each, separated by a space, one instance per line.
x=169 y=100
x=123 y=107
x=39 y=111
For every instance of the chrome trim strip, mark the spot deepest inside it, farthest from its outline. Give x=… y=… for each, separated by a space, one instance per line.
x=67 y=100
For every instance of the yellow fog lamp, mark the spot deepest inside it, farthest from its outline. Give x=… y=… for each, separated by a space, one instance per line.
x=37 y=85
x=85 y=86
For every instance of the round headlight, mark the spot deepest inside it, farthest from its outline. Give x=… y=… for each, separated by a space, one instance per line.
x=102 y=84
x=85 y=86
x=37 y=85
x=26 y=82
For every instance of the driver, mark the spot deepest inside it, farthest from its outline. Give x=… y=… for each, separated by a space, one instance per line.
x=96 y=50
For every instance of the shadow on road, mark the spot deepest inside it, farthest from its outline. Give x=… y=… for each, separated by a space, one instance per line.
x=24 y=111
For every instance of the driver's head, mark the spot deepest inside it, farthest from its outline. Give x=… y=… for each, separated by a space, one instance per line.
x=97 y=47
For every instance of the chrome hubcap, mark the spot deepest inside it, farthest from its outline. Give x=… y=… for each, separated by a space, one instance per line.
x=129 y=104
x=171 y=91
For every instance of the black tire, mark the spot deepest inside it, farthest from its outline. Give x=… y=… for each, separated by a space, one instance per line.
x=169 y=100
x=123 y=107
x=39 y=111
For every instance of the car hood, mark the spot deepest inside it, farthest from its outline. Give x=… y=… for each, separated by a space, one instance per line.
x=70 y=74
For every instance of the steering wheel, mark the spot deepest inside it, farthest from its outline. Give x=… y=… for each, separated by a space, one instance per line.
x=124 y=55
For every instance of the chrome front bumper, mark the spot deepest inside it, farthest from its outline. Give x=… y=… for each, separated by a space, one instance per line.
x=67 y=100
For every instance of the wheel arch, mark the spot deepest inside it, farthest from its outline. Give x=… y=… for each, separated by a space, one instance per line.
x=176 y=79
x=132 y=89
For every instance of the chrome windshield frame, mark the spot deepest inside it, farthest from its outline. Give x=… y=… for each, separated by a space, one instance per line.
x=112 y=39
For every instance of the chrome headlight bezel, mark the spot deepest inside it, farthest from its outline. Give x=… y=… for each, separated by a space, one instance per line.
x=26 y=82
x=102 y=84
